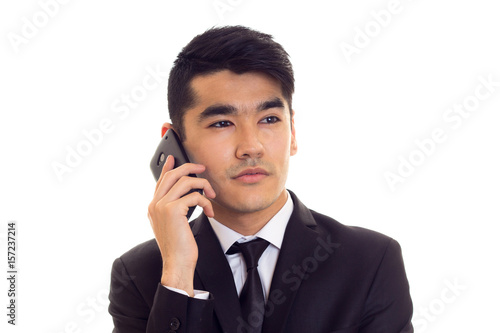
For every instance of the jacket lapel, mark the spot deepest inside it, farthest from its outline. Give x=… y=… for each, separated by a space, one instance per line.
x=214 y=274
x=299 y=243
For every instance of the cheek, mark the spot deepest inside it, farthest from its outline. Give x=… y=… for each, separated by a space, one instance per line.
x=281 y=147
x=215 y=176
x=216 y=162
x=209 y=152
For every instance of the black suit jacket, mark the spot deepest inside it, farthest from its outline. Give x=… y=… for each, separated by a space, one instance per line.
x=328 y=278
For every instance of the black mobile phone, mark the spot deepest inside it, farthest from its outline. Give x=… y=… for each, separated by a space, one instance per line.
x=170 y=144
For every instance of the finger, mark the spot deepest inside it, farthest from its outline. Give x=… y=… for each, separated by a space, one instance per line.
x=169 y=165
x=186 y=184
x=172 y=177
x=193 y=199
x=206 y=205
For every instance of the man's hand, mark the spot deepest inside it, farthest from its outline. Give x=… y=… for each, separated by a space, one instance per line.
x=167 y=214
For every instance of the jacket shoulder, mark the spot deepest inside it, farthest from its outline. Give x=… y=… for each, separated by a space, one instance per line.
x=351 y=236
x=354 y=238
x=143 y=264
x=143 y=256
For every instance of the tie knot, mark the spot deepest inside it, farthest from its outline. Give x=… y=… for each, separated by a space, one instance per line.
x=251 y=251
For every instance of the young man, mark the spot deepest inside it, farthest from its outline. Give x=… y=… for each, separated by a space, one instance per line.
x=256 y=260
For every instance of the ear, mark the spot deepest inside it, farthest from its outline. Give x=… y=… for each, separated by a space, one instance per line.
x=293 y=142
x=165 y=128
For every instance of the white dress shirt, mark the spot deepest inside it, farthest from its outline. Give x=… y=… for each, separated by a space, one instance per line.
x=273 y=232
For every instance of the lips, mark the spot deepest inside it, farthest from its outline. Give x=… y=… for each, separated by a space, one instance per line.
x=252 y=172
x=251 y=176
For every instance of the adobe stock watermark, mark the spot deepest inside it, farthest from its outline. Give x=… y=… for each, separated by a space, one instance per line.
x=121 y=107
x=293 y=278
x=453 y=117
x=32 y=25
x=221 y=7
x=380 y=20
x=426 y=315
x=12 y=272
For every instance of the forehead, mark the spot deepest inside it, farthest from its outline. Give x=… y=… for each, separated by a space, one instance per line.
x=243 y=91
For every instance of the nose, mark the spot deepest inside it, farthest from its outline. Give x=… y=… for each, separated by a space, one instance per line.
x=249 y=145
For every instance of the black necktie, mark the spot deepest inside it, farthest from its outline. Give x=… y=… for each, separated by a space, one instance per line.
x=252 y=295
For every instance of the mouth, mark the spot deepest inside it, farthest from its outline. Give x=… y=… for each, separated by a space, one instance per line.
x=252 y=175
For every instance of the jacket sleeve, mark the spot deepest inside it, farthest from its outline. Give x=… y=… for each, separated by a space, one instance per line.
x=388 y=308
x=169 y=311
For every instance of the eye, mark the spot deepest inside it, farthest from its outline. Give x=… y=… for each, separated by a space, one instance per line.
x=270 y=120
x=221 y=124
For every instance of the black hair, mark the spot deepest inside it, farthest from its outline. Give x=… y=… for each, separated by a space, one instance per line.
x=235 y=48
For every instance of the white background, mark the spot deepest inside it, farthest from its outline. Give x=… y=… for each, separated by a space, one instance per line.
x=354 y=119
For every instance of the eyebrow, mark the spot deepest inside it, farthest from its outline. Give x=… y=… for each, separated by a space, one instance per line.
x=225 y=109
x=273 y=103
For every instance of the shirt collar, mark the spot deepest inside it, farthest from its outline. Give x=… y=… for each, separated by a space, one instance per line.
x=273 y=231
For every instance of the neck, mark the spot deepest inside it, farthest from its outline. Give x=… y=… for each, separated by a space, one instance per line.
x=249 y=223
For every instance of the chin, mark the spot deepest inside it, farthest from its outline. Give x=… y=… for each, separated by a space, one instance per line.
x=247 y=202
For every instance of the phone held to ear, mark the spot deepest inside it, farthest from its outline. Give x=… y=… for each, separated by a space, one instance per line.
x=170 y=145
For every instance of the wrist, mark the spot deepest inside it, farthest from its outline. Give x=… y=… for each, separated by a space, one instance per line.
x=179 y=280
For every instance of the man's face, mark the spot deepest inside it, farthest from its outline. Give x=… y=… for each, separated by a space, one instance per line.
x=240 y=130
